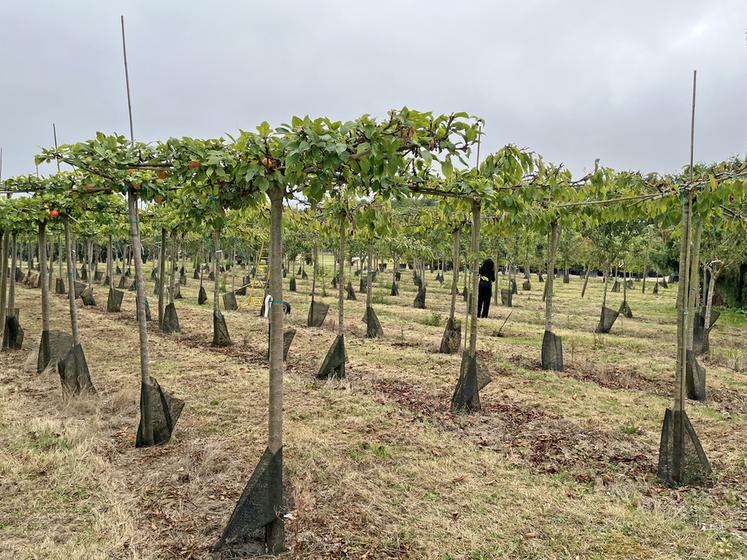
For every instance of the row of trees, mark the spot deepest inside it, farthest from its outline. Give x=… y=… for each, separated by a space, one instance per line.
x=358 y=188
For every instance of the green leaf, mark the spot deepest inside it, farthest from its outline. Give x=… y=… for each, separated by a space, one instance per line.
x=447 y=168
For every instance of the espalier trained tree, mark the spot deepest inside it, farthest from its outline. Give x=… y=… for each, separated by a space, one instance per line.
x=112 y=164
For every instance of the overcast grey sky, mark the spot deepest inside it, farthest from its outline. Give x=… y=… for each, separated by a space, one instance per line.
x=573 y=80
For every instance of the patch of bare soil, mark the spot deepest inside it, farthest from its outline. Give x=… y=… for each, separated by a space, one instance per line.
x=609 y=377
x=614 y=377
x=530 y=437
x=242 y=351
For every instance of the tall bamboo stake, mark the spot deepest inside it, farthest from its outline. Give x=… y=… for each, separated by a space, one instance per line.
x=137 y=249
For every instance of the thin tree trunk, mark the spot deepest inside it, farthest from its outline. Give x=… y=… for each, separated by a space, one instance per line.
x=275 y=530
x=172 y=278
x=89 y=259
x=216 y=269
x=694 y=287
x=369 y=276
x=315 y=258
x=454 y=273
x=706 y=272
x=475 y=276
x=275 y=439
x=682 y=296
x=49 y=249
x=4 y=280
x=110 y=263
x=43 y=275
x=341 y=281
x=586 y=280
x=124 y=255
x=136 y=253
x=71 y=283
x=550 y=270
x=709 y=295
x=14 y=261
x=334 y=266
x=60 y=255
x=553 y=249
x=161 y=277
x=511 y=275
x=606 y=286
x=467 y=308
x=183 y=249
x=625 y=283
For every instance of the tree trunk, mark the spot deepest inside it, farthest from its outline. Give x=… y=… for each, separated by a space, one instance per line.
x=161 y=276
x=552 y=252
x=467 y=308
x=123 y=257
x=454 y=273
x=694 y=287
x=172 y=276
x=183 y=249
x=475 y=276
x=202 y=274
x=334 y=266
x=341 y=281
x=14 y=261
x=110 y=263
x=71 y=283
x=586 y=281
x=89 y=261
x=216 y=269
x=60 y=255
x=682 y=293
x=275 y=530
x=703 y=284
x=49 y=251
x=314 y=265
x=43 y=276
x=709 y=295
x=369 y=275
x=136 y=252
x=4 y=280
x=606 y=286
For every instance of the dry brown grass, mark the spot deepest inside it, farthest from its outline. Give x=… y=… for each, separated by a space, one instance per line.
x=556 y=465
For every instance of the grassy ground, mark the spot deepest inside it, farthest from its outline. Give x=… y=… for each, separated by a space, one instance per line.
x=557 y=465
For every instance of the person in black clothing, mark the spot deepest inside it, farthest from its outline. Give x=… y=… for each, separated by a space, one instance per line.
x=485 y=290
